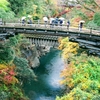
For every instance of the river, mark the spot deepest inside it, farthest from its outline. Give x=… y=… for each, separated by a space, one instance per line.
x=47 y=86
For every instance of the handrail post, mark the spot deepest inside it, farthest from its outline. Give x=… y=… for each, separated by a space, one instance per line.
x=4 y=22
x=38 y=22
x=45 y=24
x=90 y=30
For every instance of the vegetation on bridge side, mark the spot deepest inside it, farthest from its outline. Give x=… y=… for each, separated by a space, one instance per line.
x=14 y=69
x=83 y=10
x=5 y=11
x=81 y=75
x=36 y=8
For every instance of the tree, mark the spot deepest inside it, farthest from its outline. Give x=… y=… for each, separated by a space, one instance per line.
x=80 y=75
x=51 y=8
x=21 y=7
x=5 y=11
x=85 y=9
x=97 y=18
x=91 y=5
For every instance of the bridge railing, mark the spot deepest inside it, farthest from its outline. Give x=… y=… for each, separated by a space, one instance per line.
x=41 y=24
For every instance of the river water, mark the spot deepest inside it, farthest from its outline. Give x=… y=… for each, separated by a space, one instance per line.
x=47 y=86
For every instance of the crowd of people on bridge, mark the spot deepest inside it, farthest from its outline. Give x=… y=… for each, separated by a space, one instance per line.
x=54 y=22
x=24 y=21
x=58 y=22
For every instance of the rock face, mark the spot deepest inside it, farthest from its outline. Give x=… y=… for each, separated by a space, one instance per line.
x=42 y=50
x=32 y=52
x=33 y=56
x=29 y=52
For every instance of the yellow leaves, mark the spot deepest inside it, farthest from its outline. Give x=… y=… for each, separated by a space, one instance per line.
x=84 y=86
x=34 y=6
x=65 y=55
x=60 y=47
x=86 y=75
x=65 y=39
x=15 y=80
x=63 y=82
x=99 y=86
x=67 y=47
x=71 y=98
x=2 y=66
x=71 y=85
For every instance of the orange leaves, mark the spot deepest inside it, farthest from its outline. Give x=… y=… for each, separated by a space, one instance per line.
x=8 y=79
x=77 y=19
x=68 y=71
x=68 y=74
x=7 y=74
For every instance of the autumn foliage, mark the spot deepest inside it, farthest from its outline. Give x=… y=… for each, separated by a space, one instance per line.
x=67 y=47
x=82 y=77
x=7 y=74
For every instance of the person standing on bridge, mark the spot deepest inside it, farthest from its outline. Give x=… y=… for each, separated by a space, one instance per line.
x=81 y=25
x=45 y=19
x=68 y=24
x=23 y=21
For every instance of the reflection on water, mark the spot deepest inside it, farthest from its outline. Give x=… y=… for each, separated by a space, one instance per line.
x=47 y=86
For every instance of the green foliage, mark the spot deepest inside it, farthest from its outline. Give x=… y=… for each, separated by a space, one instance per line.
x=92 y=25
x=7 y=54
x=6 y=15
x=36 y=8
x=8 y=82
x=25 y=7
x=82 y=15
x=96 y=97
x=76 y=94
x=97 y=18
x=12 y=42
x=39 y=9
x=81 y=76
x=12 y=92
x=4 y=4
x=23 y=69
x=21 y=62
x=3 y=92
x=21 y=6
x=5 y=12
